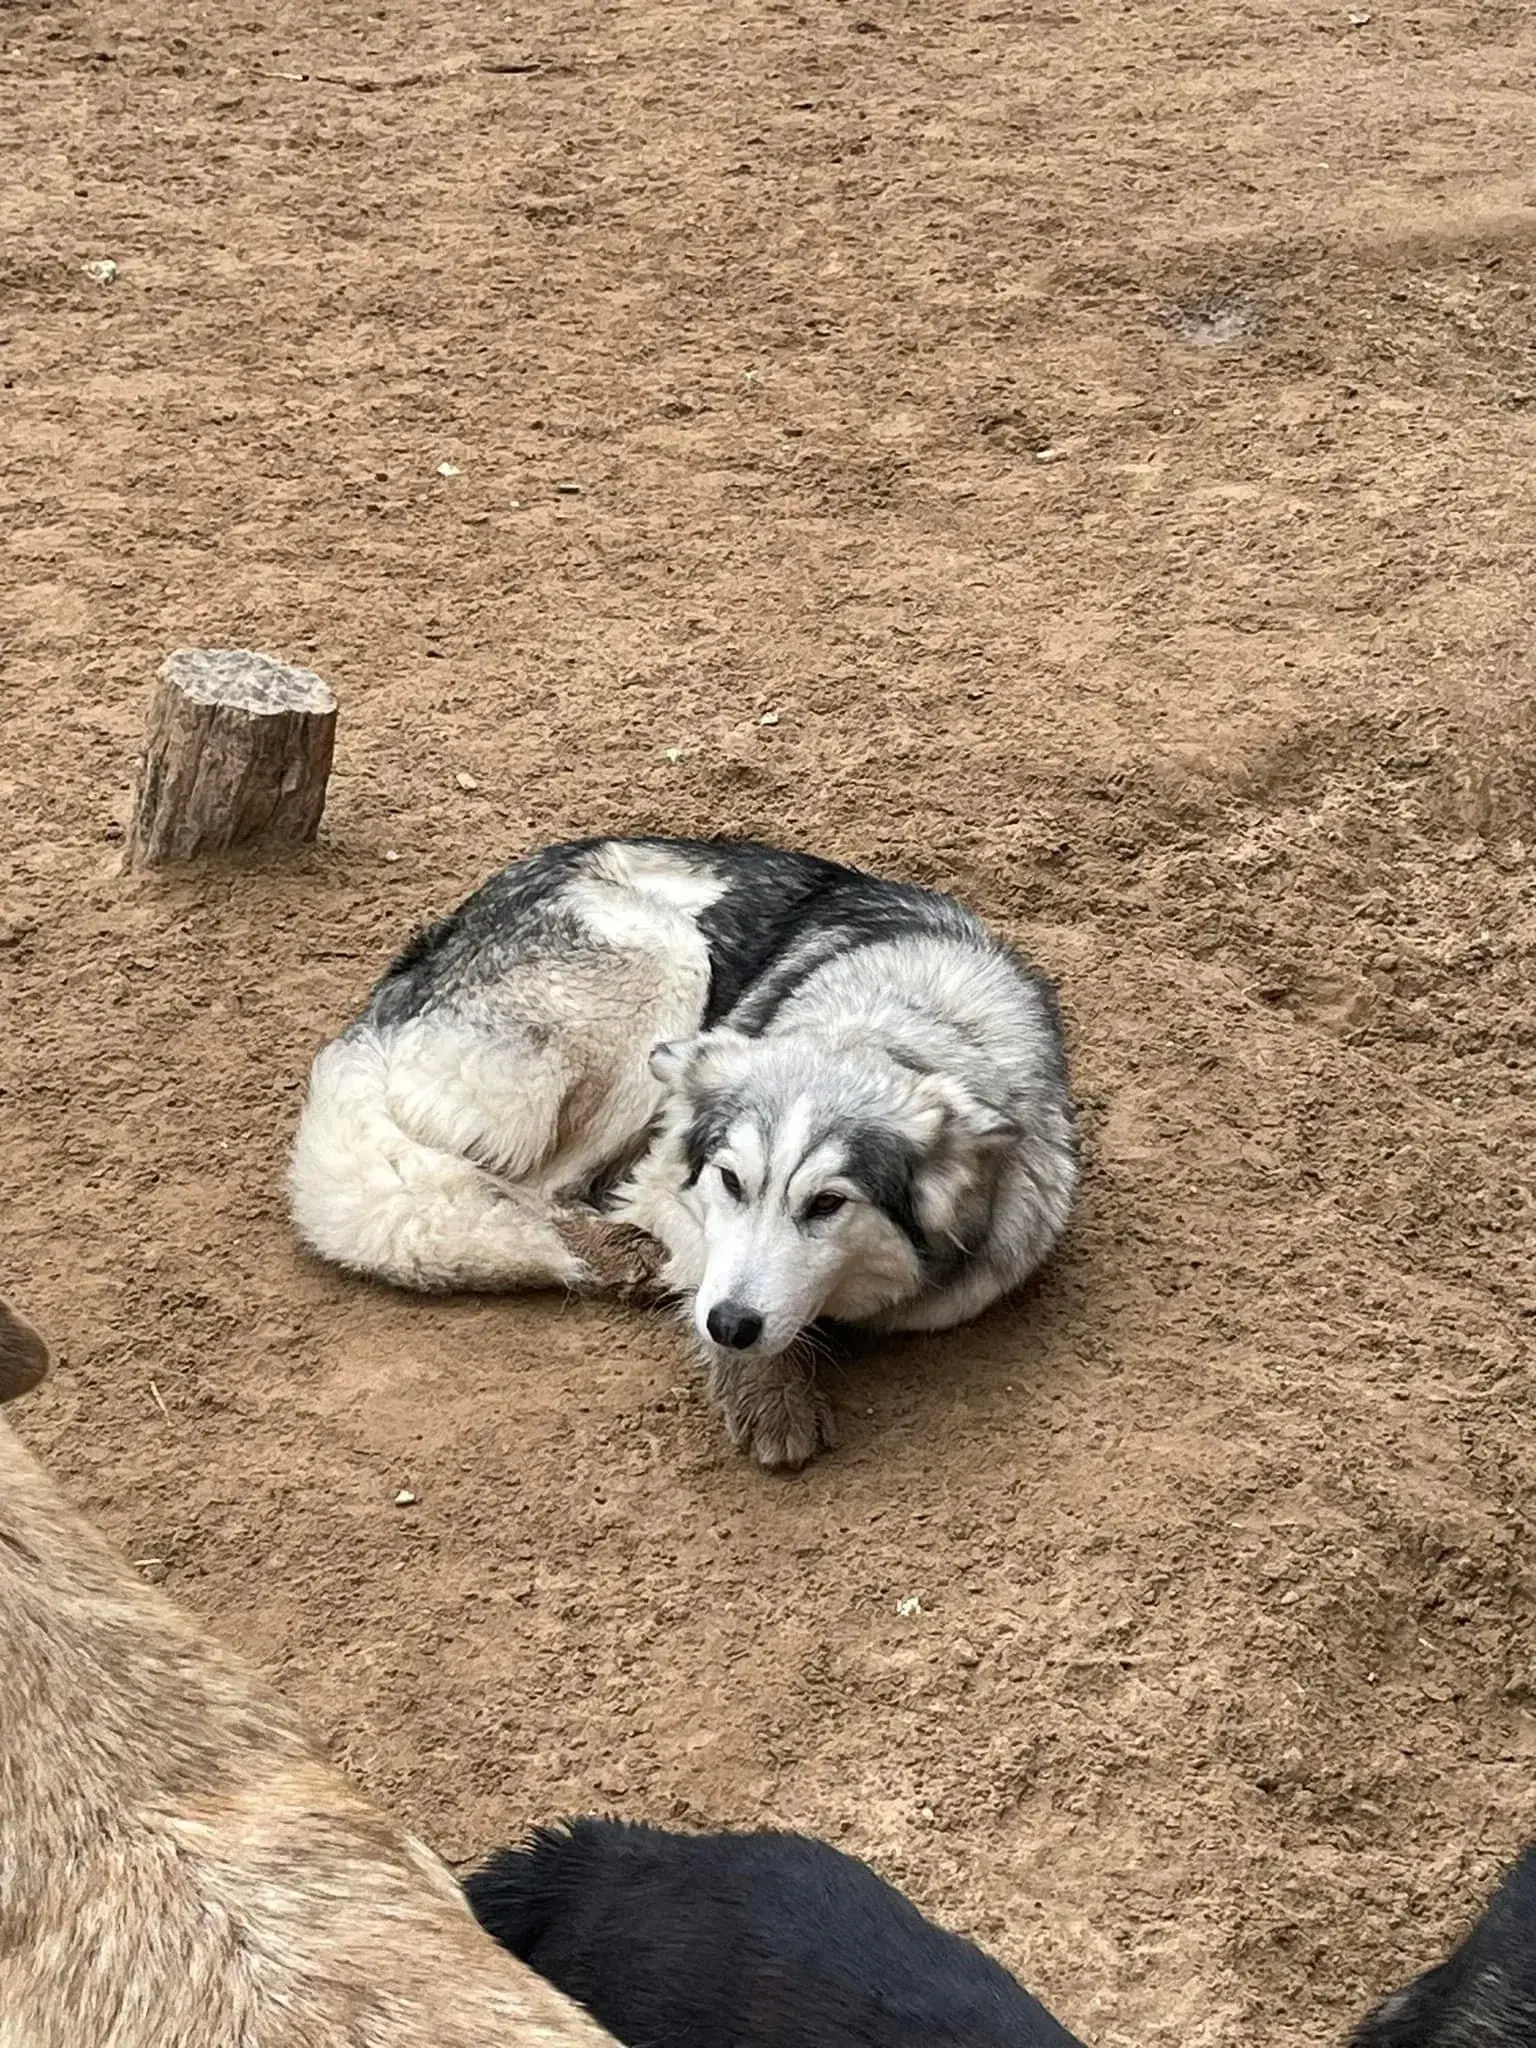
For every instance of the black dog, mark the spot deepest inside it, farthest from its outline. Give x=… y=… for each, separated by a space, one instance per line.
x=744 y=1941
x=1484 y=1995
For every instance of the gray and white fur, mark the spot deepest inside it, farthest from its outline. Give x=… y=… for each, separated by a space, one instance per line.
x=824 y=1096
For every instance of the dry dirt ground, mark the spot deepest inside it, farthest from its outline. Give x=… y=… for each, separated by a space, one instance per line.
x=1078 y=455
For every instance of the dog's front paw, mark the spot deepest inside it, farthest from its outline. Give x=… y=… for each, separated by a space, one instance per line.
x=617 y=1256
x=775 y=1410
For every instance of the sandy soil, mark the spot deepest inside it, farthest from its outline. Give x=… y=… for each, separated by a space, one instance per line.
x=1102 y=438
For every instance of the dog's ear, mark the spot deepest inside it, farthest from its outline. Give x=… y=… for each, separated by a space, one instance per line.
x=24 y=1357
x=680 y=1060
x=963 y=1115
x=672 y=1061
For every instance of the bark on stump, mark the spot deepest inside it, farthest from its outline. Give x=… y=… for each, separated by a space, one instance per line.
x=238 y=752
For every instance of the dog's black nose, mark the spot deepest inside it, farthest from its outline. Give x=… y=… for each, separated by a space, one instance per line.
x=736 y=1327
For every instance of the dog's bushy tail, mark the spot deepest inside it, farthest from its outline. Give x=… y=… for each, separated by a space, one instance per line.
x=369 y=1194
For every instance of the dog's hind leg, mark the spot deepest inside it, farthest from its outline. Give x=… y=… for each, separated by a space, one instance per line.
x=410 y=1157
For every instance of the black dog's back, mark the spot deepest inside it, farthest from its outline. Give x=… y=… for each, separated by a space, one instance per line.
x=1484 y=1995
x=744 y=1941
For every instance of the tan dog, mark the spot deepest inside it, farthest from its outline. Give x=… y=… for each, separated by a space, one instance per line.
x=179 y=1867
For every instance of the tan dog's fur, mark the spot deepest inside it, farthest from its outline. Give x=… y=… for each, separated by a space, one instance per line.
x=179 y=1867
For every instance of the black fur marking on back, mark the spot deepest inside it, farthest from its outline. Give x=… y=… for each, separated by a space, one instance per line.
x=469 y=947
x=423 y=943
x=781 y=916
x=778 y=902
x=846 y=912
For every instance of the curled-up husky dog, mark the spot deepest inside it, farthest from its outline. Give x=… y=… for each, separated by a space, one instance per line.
x=782 y=1089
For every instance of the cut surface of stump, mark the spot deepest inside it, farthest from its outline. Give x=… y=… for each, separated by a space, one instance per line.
x=238 y=753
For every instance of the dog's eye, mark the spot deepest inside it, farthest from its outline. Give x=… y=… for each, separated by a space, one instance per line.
x=730 y=1183
x=826 y=1204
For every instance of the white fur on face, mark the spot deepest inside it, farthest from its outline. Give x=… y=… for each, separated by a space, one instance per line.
x=765 y=1255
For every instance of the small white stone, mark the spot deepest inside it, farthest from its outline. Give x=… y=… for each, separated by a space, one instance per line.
x=449 y=469
x=102 y=271
x=465 y=781
x=405 y=1498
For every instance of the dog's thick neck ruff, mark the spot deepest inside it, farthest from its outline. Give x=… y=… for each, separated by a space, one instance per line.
x=824 y=1095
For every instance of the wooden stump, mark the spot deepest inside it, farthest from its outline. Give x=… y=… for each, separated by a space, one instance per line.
x=238 y=752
